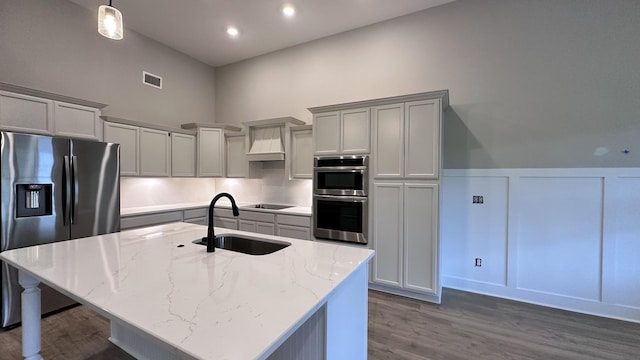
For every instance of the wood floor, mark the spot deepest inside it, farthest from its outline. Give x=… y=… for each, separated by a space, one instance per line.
x=464 y=326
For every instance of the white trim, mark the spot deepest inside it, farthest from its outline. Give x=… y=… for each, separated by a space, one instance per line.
x=614 y=299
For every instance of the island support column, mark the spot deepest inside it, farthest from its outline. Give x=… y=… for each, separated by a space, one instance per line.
x=347 y=318
x=31 y=313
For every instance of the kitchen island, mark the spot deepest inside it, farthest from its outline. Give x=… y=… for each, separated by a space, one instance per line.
x=167 y=298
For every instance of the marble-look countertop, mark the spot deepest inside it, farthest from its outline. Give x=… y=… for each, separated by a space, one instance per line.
x=221 y=305
x=223 y=203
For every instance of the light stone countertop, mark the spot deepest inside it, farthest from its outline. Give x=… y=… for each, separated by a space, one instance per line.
x=222 y=305
x=223 y=203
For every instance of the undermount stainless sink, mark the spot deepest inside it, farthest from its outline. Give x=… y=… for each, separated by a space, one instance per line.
x=245 y=244
x=270 y=206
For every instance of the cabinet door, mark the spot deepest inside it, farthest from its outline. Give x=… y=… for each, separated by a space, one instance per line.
x=210 y=152
x=265 y=228
x=387 y=233
x=183 y=155
x=296 y=232
x=237 y=166
x=127 y=137
x=227 y=223
x=420 y=238
x=355 y=131
x=77 y=121
x=422 y=134
x=326 y=133
x=25 y=113
x=155 y=152
x=301 y=154
x=388 y=131
x=247 y=225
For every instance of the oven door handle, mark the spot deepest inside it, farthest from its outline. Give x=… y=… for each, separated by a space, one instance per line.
x=340 y=168
x=341 y=198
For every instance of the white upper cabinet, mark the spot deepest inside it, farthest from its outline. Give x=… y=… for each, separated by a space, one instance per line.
x=406 y=140
x=326 y=133
x=26 y=113
x=48 y=115
x=210 y=148
x=183 y=154
x=236 y=162
x=342 y=132
x=355 y=131
x=128 y=138
x=77 y=121
x=210 y=152
x=422 y=133
x=301 y=163
x=155 y=152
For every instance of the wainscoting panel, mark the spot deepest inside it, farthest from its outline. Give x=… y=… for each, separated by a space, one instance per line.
x=559 y=235
x=565 y=238
x=475 y=230
x=622 y=250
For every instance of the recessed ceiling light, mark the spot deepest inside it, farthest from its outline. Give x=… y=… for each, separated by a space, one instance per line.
x=288 y=10
x=232 y=31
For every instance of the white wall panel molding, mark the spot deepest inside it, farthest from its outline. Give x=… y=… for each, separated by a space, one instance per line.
x=566 y=238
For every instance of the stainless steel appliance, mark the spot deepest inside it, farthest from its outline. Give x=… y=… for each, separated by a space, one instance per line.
x=341 y=175
x=340 y=198
x=53 y=189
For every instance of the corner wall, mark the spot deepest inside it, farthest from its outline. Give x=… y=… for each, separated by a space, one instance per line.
x=533 y=84
x=565 y=238
x=54 y=46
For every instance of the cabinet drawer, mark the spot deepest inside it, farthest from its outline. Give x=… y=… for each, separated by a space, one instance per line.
x=295 y=232
x=228 y=213
x=257 y=216
x=131 y=222
x=226 y=223
x=195 y=213
x=199 y=221
x=294 y=220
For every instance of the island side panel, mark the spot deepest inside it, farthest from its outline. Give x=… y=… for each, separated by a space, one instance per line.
x=347 y=311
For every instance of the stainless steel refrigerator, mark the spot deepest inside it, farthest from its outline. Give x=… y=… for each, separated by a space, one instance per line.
x=53 y=189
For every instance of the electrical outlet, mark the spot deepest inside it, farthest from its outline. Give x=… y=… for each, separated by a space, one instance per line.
x=478 y=262
x=478 y=199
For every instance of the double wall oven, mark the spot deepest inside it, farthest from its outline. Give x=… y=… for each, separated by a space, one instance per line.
x=340 y=198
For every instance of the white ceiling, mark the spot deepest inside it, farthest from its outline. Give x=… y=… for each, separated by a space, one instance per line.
x=198 y=27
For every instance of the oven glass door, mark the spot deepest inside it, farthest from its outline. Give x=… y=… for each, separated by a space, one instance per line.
x=341 y=218
x=348 y=182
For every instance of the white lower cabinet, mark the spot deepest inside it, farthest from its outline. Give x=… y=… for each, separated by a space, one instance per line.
x=257 y=227
x=405 y=236
x=257 y=222
x=297 y=227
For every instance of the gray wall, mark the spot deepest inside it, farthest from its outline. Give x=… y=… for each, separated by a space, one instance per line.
x=54 y=46
x=533 y=83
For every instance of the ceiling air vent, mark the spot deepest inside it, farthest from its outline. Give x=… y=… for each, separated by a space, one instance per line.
x=152 y=80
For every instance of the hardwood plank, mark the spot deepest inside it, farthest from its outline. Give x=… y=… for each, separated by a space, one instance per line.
x=464 y=326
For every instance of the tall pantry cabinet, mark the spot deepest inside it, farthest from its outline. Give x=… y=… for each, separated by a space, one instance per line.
x=406 y=140
x=404 y=183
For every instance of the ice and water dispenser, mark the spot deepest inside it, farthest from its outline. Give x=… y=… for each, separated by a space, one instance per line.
x=33 y=200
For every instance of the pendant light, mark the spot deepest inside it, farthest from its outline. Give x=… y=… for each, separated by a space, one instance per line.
x=110 y=22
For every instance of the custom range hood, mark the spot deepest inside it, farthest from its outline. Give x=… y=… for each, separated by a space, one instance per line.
x=268 y=140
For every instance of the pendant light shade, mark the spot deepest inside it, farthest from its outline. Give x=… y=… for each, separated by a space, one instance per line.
x=110 y=22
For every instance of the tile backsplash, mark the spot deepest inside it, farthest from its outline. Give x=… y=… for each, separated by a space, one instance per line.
x=273 y=187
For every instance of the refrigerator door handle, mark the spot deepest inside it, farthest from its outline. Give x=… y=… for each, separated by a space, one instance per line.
x=74 y=209
x=66 y=189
